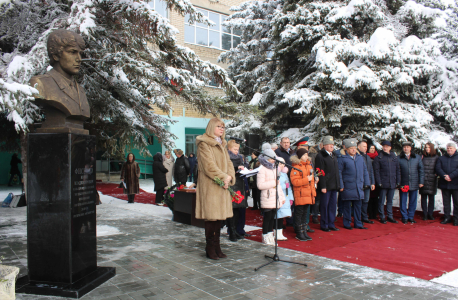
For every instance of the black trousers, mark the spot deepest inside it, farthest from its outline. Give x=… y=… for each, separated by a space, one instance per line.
x=12 y=173
x=268 y=221
x=256 y=194
x=427 y=207
x=446 y=199
x=315 y=209
x=159 y=195
x=300 y=215
x=279 y=224
x=372 y=208
x=232 y=222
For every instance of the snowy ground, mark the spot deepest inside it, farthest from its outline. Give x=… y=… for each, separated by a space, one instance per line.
x=113 y=212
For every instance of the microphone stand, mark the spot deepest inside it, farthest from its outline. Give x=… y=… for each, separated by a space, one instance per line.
x=275 y=257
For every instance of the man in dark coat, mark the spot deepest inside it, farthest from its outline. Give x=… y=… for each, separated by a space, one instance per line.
x=413 y=175
x=328 y=184
x=447 y=170
x=354 y=179
x=160 y=181
x=362 y=149
x=338 y=153
x=14 y=168
x=387 y=176
x=286 y=152
x=192 y=163
x=181 y=168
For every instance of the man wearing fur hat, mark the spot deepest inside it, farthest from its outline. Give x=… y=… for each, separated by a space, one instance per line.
x=354 y=179
x=328 y=184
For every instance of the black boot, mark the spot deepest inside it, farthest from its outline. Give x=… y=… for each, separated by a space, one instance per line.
x=446 y=220
x=304 y=232
x=209 y=238
x=231 y=229
x=217 y=232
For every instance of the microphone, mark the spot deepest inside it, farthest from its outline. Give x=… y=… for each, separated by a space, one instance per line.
x=236 y=139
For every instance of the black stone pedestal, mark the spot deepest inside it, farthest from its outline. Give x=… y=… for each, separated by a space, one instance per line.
x=61 y=217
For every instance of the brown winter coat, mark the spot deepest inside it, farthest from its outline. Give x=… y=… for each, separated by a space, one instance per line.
x=212 y=201
x=130 y=172
x=304 y=190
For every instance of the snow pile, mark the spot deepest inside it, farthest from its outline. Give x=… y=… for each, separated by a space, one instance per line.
x=106 y=230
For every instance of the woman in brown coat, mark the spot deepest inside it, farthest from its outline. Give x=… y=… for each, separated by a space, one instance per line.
x=213 y=203
x=130 y=173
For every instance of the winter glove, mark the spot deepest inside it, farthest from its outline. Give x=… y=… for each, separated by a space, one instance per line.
x=398 y=185
x=366 y=187
x=380 y=185
x=291 y=202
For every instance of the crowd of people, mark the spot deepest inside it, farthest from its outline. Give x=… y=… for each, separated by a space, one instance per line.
x=300 y=183
x=355 y=184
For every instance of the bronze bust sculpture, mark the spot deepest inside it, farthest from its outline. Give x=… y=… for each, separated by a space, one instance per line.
x=63 y=99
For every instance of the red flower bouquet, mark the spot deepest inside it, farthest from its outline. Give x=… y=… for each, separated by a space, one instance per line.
x=319 y=172
x=237 y=197
x=405 y=188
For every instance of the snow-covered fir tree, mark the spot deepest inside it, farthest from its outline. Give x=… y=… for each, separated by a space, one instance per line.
x=131 y=62
x=374 y=69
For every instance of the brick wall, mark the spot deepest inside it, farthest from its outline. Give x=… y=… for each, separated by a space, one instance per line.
x=204 y=53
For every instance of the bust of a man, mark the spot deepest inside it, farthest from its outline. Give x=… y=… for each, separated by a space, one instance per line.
x=63 y=99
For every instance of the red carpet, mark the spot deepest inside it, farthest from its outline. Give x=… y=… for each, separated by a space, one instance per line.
x=424 y=250
x=111 y=189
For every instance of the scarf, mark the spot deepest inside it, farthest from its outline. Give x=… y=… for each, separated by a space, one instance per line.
x=219 y=140
x=263 y=160
x=372 y=155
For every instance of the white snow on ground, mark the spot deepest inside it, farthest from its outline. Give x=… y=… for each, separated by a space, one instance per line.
x=374 y=276
x=105 y=230
x=450 y=278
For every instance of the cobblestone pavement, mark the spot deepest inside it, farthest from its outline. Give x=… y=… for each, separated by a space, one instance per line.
x=156 y=258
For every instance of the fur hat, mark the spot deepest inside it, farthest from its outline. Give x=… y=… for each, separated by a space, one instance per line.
x=407 y=144
x=327 y=140
x=350 y=143
x=301 y=152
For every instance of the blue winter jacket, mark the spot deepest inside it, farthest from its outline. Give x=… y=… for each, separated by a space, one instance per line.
x=285 y=210
x=412 y=171
x=386 y=170
x=448 y=165
x=353 y=177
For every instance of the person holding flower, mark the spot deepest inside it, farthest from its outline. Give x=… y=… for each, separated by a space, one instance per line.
x=413 y=176
x=237 y=161
x=304 y=192
x=213 y=202
x=285 y=210
x=267 y=182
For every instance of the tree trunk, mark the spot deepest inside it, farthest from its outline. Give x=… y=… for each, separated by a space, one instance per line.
x=23 y=137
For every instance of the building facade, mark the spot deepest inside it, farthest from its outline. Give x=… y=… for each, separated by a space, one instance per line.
x=208 y=42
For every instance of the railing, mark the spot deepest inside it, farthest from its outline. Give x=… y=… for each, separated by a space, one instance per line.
x=142 y=162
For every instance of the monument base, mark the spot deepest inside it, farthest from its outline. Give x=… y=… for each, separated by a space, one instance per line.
x=74 y=290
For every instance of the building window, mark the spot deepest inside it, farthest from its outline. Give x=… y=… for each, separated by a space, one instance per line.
x=191 y=146
x=217 y=36
x=159 y=6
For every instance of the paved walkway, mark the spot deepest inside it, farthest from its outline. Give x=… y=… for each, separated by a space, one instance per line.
x=156 y=258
